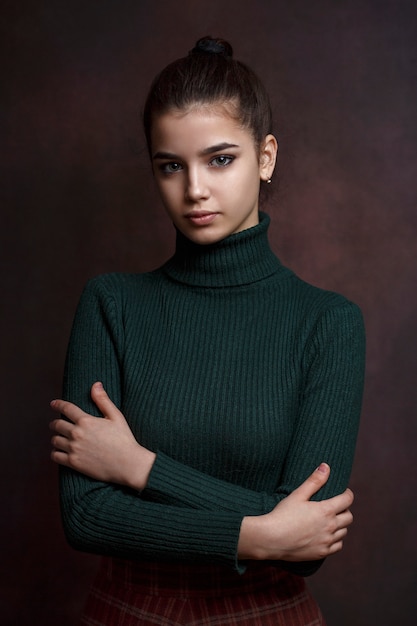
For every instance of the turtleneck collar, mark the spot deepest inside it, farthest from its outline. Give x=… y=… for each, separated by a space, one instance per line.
x=240 y=259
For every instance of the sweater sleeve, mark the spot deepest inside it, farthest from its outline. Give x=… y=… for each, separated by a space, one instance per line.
x=109 y=519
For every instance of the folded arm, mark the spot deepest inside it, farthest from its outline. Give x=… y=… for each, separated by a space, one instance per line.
x=186 y=514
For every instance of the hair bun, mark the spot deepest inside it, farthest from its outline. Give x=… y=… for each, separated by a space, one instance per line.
x=210 y=45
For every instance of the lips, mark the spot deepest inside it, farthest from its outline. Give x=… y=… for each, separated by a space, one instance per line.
x=201 y=218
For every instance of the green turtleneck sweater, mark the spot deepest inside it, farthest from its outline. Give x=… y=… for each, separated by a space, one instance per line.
x=239 y=375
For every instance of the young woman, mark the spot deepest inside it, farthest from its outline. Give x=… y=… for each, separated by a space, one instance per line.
x=225 y=381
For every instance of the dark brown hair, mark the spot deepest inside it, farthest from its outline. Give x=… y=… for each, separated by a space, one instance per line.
x=210 y=75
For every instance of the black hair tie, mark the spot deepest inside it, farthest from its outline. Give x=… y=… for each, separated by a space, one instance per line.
x=209 y=45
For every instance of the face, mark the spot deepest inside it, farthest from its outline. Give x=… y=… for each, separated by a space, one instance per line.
x=208 y=172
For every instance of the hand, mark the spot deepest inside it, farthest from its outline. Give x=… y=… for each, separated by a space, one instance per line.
x=299 y=529
x=102 y=448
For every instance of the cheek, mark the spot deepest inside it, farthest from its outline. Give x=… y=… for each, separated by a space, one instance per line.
x=166 y=191
x=171 y=199
x=247 y=184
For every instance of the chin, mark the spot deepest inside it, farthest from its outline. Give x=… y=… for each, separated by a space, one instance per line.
x=205 y=237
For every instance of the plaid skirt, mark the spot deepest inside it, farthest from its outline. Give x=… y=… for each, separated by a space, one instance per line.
x=127 y=593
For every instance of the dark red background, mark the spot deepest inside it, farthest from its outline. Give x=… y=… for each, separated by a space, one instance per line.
x=78 y=200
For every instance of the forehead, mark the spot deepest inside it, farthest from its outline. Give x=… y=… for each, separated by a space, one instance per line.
x=197 y=127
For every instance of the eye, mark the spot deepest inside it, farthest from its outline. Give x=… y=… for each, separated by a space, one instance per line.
x=221 y=161
x=170 y=168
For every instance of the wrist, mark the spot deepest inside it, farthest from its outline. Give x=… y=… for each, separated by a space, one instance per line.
x=260 y=539
x=141 y=466
x=251 y=545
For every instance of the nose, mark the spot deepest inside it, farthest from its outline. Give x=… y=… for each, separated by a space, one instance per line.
x=196 y=185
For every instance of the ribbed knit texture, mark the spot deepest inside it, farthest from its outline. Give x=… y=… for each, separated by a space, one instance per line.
x=242 y=378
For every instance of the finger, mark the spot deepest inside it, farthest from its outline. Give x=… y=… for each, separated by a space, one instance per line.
x=61 y=427
x=314 y=482
x=335 y=547
x=344 y=519
x=103 y=402
x=60 y=443
x=351 y=495
x=57 y=456
x=341 y=503
x=339 y=535
x=70 y=410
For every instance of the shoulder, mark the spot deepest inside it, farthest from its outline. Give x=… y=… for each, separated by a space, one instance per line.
x=321 y=316
x=316 y=301
x=115 y=285
x=330 y=329
x=108 y=295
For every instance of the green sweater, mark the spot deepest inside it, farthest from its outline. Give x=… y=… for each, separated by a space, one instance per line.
x=239 y=375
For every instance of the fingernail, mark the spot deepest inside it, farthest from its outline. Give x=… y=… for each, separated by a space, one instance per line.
x=52 y=403
x=99 y=385
x=322 y=468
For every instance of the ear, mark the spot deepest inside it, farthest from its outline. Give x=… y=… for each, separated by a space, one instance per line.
x=267 y=157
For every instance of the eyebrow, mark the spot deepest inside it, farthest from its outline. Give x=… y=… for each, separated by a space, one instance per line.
x=210 y=150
